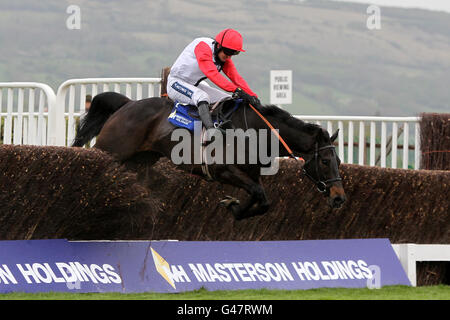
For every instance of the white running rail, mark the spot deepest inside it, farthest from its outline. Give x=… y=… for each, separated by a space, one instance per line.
x=71 y=97
x=380 y=134
x=26 y=111
x=375 y=141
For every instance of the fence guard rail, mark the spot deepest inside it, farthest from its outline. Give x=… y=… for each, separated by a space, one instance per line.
x=409 y=254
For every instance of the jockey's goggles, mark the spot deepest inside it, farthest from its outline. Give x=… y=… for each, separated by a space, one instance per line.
x=230 y=52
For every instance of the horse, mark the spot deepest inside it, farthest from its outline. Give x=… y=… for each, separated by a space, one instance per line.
x=125 y=128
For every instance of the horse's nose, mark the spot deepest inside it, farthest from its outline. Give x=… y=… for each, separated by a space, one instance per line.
x=338 y=201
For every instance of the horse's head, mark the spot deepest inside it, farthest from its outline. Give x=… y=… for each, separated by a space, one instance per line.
x=322 y=167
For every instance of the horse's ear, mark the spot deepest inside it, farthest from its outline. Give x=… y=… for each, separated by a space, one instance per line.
x=334 y=136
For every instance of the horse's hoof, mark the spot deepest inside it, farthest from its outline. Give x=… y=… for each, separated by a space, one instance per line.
x=228 y=201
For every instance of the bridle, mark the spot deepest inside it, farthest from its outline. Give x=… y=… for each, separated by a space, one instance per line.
x=322 y=185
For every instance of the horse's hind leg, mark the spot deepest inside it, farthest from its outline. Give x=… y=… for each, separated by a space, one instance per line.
x=257 y=204
x=141 y=163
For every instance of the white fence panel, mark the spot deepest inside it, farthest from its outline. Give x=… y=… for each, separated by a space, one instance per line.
x=410 y=253
x=377 y=139
x=26 y=110
x=71 y=98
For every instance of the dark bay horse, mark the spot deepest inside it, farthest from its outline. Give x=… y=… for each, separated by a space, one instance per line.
x=126 y=128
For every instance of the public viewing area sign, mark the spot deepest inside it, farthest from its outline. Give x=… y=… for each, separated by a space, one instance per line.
x=281 y=87
x=176 y=266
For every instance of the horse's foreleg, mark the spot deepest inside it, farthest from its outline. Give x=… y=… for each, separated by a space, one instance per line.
x=239 y=210
x=257 y=204
x=261 y=207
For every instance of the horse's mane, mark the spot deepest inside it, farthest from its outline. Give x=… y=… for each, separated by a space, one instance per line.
x=289 y=119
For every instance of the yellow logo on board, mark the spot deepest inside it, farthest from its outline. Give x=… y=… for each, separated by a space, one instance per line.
x=163 y=267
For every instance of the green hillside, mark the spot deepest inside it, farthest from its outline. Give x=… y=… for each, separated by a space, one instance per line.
x=339 y=66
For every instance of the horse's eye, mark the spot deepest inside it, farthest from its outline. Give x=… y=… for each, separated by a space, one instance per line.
x=325 y=162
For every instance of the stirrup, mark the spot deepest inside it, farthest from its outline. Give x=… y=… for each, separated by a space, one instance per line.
x=218 y=126
x=223 y=123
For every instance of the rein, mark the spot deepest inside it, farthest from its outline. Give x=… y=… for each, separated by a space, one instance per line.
x=320 y=184
x=275 y=132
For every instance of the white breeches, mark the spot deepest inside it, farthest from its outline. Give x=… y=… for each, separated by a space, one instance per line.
x=185 y=93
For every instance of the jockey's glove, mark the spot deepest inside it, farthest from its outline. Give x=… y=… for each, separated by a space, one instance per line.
x=254 y=101
x=241 y=94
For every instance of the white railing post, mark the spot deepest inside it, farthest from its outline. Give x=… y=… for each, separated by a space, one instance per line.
x=405 y=145
x=341 y=140
x=18 y=127
x=9 y=117
x=42 y=122
x=383 y=144
x=362 y=143
x=139 y=91
x=405 y=253
x=1 y=108
x=417 y=149
x=128 y=91
x=31 y=137
x=60 y=120
x=394 y=145
x=372 y=142
x=350 y=142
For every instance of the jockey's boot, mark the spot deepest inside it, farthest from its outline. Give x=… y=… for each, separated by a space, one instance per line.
x=205 y=116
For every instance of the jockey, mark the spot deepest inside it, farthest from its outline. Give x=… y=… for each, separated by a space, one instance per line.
x=203 y=59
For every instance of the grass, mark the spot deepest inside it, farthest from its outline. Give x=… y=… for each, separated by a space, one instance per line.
x=440 y=292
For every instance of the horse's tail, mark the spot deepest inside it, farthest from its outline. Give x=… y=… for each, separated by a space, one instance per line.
x=102 y=107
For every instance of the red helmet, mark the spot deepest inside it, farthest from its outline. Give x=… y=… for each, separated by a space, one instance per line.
x=231 y=39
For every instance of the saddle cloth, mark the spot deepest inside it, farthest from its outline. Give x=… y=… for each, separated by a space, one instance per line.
x=183 y=115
